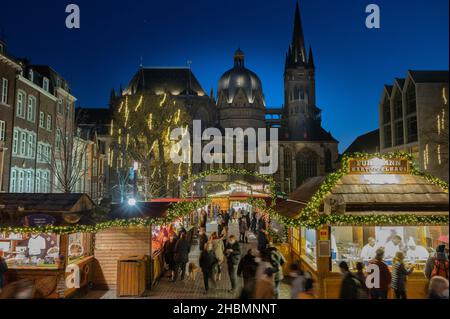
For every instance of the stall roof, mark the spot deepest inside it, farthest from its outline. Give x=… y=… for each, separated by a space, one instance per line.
x=45 y=203
x=298 y=199
x=372 y=194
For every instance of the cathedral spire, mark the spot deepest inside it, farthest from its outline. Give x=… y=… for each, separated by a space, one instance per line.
x=310 y=58
x=298 y=41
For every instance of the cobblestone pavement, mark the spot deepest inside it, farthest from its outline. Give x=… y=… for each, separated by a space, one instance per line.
x=189 y=289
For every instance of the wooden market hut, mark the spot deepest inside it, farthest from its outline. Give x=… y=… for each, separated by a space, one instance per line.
x=58 y=264
x=114 y=243
x=368 y=203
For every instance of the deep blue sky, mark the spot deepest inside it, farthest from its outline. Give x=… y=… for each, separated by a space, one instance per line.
x=352 y=62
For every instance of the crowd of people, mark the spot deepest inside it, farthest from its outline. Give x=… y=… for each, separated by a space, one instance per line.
x=354 y=285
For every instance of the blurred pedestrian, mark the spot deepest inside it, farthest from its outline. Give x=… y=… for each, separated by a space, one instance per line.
x=298 y=280
x=265 y=287
x=169 y=253
x=399 y=275
x=202 y=239
x=181 y=256
x=253 y=223
x=247 y=269
x=233 y=253
x=21 y=289
x=438 y=288
x=243 y=230
x=361 y=275
x=3 y=270
x=437 y=264
x=308 y=289
x=351 y=286
x=385 y=276
x=218 y=248
x=263 y=240
x=207 y=263
x=277 y=261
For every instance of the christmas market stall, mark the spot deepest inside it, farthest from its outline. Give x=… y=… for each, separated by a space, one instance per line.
x=42 y=239
x=373 y=201
x=140 y=230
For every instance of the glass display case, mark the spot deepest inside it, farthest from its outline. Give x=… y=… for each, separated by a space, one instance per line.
x=354 y=244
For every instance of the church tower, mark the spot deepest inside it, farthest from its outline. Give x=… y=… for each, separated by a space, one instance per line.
x=301 y=114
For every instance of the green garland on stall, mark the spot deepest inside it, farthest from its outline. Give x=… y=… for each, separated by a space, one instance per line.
x=186 y=185
x=308 y=217
x=176 y=211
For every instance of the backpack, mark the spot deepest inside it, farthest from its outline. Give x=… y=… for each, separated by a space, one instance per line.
x=440 y=268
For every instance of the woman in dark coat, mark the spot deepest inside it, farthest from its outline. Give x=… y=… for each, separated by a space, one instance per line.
x=169 y=252
x=207 y=263
x=181 y=256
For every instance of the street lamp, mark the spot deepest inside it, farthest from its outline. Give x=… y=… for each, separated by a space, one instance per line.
x=131 y=201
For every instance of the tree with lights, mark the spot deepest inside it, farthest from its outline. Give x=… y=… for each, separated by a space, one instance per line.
x=141 y=129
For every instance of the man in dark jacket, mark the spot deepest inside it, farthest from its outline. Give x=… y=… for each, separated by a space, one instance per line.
x=202 y=239
x=247 y=268
x=233 y=253
x=207 y=263
x=262 y=240
x=385 y=276
x=181 y=256
x=351 y=287
x=3 y=270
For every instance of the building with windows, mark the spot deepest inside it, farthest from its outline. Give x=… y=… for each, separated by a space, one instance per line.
x=413 y=117
x=36 y=121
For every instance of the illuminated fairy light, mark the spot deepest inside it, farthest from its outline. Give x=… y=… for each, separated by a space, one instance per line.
x=127 y=141
x=177 y=116
x=119 y=135
x=439 y=154
x=443 y=120
x=139 y=103
x=120 y=107
x=438 y=118
x=426 y=157
x=111 y=131
x=163 y=100
x=149 y=121
x=444 y=96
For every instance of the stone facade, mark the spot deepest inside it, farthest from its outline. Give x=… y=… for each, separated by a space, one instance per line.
x=413 y=117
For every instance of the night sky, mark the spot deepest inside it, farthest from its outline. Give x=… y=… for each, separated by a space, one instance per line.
x=352 y=62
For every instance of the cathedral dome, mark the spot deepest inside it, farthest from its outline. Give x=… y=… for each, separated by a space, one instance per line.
x=240 y=78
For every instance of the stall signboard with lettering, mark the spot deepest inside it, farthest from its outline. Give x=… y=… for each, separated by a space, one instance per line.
x=38 y=220
x=378 y=166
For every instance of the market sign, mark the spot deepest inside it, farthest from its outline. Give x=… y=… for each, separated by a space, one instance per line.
x=378 y=166
x=38 y=220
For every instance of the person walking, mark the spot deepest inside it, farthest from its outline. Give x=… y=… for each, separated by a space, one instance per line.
x=437 y=264
x=247 y=269
x=207 y=263
x=265 y=287
x=226 y=218
x=385 y=276
x=3 y=270
x=247 y=220
x=399 y=275
x=298 y=280
x=361 y=275
x=203 y=219
x=438 y=288
x=218 y=249
x=181 y=256
x=233 y=253
x=308 y=289
x=202 y=239
x=263 y=240
x=351 y=286
x=253 y=223
x=277 y=261
x=243 y=230
x=169 y=252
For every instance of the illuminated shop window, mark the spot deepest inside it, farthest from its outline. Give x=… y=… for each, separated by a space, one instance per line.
x=308 y=247
x=358 y=244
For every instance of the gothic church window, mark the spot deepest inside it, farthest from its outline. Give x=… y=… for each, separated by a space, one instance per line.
x=306 y=161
